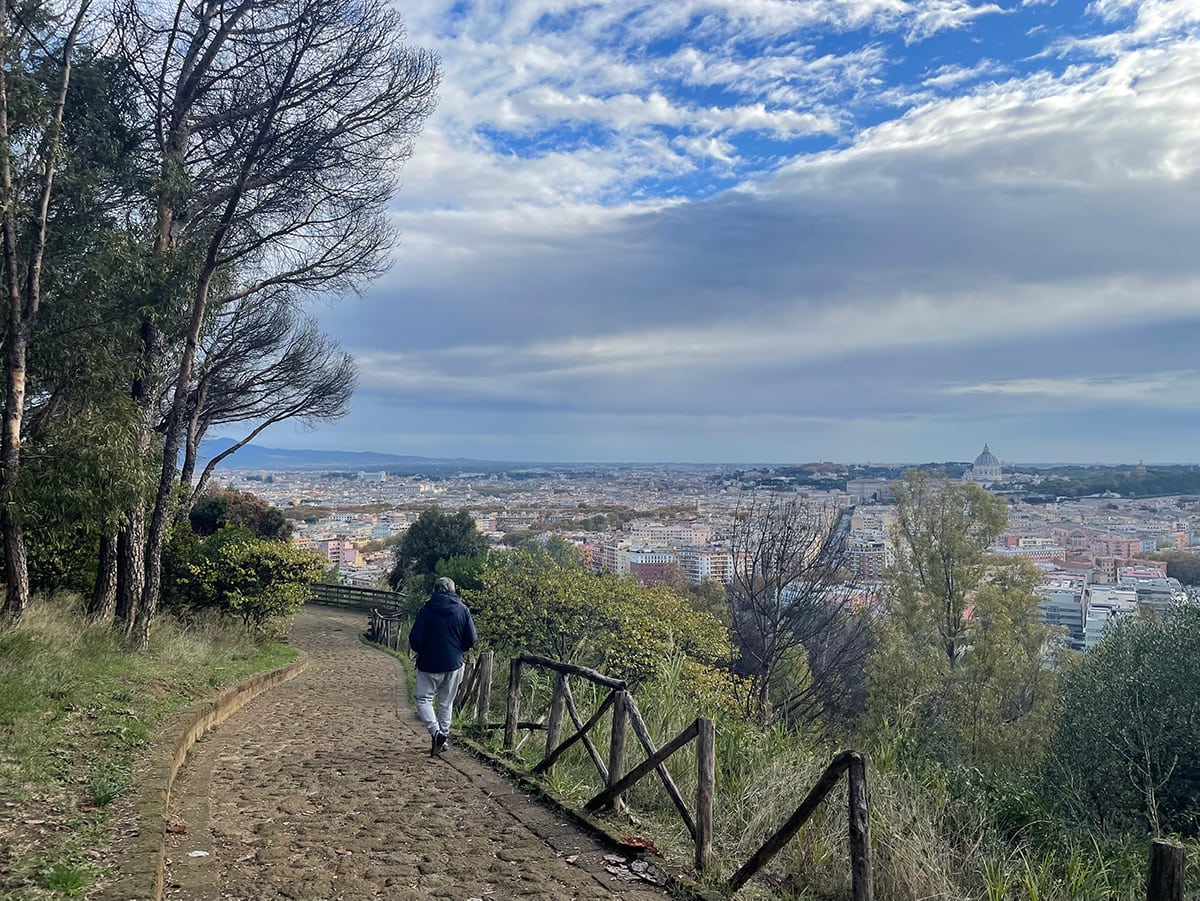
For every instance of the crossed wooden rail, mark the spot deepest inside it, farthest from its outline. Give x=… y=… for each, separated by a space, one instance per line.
x=624 y=714
x=388 y=629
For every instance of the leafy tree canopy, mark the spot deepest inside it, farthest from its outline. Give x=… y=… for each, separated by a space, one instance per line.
x=229 y=507
x=436 y=535
x=531 y=602
x=1127 y=747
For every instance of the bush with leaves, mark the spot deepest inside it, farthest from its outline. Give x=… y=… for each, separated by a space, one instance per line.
x=1127 y=749
x=240 y=575
x=530 y=601
x=214 y=510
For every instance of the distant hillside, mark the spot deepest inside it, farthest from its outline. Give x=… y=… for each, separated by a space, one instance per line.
x=253 y=456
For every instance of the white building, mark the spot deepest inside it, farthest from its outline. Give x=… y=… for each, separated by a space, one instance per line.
x=699 y=565
x=1105 y=605
x=1063 y=603
x=986 y=470
x=1153 y=587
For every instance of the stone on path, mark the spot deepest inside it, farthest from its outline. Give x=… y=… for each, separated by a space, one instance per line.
x=323 y=789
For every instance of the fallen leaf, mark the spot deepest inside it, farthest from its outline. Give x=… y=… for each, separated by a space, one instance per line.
x=197 y=854
x=614 y=858
x=573 y=858
x=637 y=843
x=34 y=822
x=177 y=828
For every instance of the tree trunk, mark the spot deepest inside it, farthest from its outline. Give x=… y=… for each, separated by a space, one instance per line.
x=23 y=305
x=104 y=596
x=156 y=535
x=764 y=698
x=16 y=596
x=131 y=568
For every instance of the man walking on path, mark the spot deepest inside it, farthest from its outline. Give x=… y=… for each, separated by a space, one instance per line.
x=442 y=631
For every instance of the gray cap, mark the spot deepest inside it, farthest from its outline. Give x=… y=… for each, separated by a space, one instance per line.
x=443 y=584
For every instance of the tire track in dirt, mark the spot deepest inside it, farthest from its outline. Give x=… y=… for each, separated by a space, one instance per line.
x=323 y=788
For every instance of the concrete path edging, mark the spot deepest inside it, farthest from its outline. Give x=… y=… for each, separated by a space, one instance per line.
x=140 y=867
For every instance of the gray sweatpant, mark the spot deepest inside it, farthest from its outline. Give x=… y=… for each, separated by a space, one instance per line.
x=443 y=686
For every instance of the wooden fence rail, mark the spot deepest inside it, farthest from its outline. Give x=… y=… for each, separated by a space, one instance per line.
x=388 y=629
x=854 y=764
x=347 y=596
x=625 y=716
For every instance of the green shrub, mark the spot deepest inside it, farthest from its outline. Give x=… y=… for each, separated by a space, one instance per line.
x=238 y=574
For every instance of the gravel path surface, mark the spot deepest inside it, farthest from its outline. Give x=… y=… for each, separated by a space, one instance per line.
x=323 y=788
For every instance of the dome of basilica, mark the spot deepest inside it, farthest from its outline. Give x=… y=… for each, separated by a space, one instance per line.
x=987 y=460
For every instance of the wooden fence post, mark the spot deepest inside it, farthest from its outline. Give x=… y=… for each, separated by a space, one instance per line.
x=616 y=750
x=514 y=704
x=1165 y=880
x=483 y=700
x=861 y=880
x=706 y=777
x=557 y=703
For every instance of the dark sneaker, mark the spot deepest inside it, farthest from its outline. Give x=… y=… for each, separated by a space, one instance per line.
x=439 y=742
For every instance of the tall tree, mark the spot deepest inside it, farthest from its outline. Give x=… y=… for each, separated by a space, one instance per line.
x=960 y=669
x=280 y=125
x=36 y=53
x=1127 y=747
x=943 y=531
x=80 y=468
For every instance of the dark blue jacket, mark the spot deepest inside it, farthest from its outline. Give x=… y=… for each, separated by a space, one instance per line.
x=442 y=631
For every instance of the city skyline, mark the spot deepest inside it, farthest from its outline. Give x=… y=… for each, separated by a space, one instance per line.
x=246 y=463
x=720 y=231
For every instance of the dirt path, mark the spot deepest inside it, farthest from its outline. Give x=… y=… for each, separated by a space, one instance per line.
x=323 y=789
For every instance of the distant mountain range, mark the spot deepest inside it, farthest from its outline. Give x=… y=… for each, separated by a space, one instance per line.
x=253 y=456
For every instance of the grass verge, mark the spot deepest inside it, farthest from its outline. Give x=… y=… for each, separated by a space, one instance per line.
x=77 y=705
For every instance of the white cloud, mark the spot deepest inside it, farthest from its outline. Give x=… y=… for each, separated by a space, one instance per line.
x=1018 y=240
x=1170 y=390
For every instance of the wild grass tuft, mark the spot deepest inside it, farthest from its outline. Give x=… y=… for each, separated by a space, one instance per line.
x=65 y=878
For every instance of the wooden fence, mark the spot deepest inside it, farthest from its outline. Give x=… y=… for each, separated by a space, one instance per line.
x=356 y=598
x=855 y=765
x=388 y=629
x=612 y=772
x=699 y=821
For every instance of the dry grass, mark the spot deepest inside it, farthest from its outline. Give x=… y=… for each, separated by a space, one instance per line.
x=930 y=841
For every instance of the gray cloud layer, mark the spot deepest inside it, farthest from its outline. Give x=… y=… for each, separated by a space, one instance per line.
x=1017 y=265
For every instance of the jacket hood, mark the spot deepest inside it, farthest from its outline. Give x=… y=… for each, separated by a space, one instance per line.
x=444 y=603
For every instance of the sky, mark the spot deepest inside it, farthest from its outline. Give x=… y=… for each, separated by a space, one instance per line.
x=791 y=230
